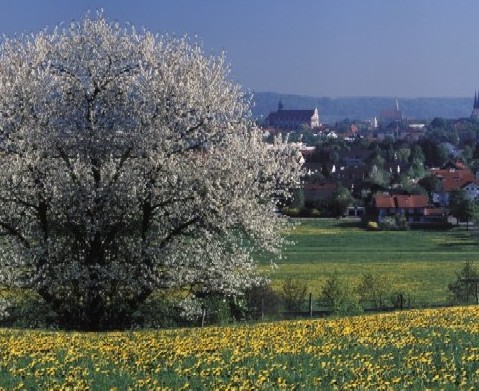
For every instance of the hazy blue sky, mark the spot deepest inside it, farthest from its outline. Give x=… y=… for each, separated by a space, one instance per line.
x=401 y=48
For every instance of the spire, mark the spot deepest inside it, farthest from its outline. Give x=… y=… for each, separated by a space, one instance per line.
x=475 y=110
x=280 y=105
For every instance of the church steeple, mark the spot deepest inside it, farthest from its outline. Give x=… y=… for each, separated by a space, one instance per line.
x=475 y=109
x=280 y=105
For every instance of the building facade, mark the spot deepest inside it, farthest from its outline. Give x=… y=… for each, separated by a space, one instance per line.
x=292 y=119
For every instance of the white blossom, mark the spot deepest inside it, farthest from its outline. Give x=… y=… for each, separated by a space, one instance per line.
x=129 y=163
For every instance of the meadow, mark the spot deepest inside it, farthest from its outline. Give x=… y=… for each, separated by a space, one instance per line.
x=420 y=263
x=417 y=349
x=414 y=349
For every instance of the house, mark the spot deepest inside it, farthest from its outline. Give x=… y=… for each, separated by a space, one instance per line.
x=472 y=190
x=356 y=157
x=413 y=207
x=391 y=115
x=355 y=211
x=434 y=215
x=352 y=133
x=453 y=176
x=414 y=132
x=292 y=119
x=351 y=178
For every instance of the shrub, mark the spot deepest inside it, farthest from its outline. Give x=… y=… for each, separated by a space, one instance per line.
x=293 y=294
x=401 y=223
x=292 y=212
x=261 y=300
x=460 y=291
x=394 y=223
x=373 y=289
x=30 y=313
x=218 y=309
x=301 y=212
x=401 y=299
x=158 y=312
x=339 y=297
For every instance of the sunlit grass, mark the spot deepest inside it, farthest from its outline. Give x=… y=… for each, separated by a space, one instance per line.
x=417 y=262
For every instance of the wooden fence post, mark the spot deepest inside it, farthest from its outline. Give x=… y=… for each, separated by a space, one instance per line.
x=477 y=296
x=468 y=281
x=310 y=305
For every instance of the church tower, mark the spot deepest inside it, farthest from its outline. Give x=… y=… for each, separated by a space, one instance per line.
x=475 y=109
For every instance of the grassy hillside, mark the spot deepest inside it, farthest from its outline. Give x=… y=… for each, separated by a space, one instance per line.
x=426 y=349
x=421 y=263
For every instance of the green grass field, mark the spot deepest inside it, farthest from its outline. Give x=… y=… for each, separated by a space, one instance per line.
x=418 y=262
x=418 y=349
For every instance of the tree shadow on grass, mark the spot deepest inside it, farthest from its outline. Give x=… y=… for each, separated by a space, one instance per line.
x=460 y=239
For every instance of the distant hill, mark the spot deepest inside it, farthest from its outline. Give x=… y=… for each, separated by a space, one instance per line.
x=364 y=108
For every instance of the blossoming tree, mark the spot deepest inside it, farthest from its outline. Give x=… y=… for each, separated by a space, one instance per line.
x=129 y=163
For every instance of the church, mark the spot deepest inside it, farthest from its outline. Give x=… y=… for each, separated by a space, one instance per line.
x=292 y=119
x=475 y=109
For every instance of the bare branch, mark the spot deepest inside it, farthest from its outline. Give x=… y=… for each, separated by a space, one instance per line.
x=18 y=201
x=12 y=231
x=66 y=160
x=178 y=230
x=123 y=159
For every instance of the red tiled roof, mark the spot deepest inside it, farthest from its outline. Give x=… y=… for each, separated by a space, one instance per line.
x=352 y=131
x=401 y=201
x=454 y=179
x=391 y=114
x=456 y=165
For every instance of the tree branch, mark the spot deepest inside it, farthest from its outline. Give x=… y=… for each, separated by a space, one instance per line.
x=11 y=230
x=123 y=159
x=178 y=231
x=67 y=162
x=20 y=202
